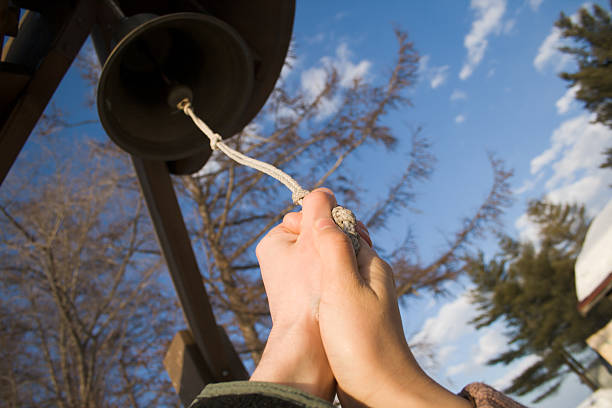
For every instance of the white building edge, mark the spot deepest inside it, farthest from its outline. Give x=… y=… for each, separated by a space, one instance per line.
x=594 y=263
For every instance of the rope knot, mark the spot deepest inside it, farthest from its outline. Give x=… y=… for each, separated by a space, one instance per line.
x=214 y=139
x=184 y=104
x=346 y=220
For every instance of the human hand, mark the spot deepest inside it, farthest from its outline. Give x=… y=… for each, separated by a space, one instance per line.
x=292 y=273
x=360 y=324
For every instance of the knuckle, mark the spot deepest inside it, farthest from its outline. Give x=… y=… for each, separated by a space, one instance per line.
x=321 y=194
x=291 y=219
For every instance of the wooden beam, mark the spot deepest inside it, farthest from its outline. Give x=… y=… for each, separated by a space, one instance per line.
x=48 y=67
x=9 y=19
x=46 y=47
x=41 y=6
x=13 y=81
x=219 y=354
x=186 y=367
x=214 y=346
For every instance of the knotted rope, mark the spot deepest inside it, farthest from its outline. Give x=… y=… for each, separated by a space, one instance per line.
x=343 y=217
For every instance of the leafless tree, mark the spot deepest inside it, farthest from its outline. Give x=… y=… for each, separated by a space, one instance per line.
x=84 y=314
x=235 y=206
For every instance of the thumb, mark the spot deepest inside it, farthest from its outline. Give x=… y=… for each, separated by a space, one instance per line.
x=336 y=253
x=333 y=246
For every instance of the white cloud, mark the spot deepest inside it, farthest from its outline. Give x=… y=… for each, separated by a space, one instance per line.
x=570 y=168
x=291 y=62
x=489 y=15
x=459 y=119
x=506 y=380
x=579 y=144
x=313 y=80
x=589 y=189
x=284 y=112
x=250 y=135
x=346 y=69
x=431 y=304
x=435 y=75
x=547 y=49
x=212 y=165
x=509 y=26
x=315 y=39
x=457 y=346
x=528 y=231
x=423 y=63
x=439 y=75
x=566 y=101
x=528 y=184
x=458 y=95
x=573 y=143
x=457 y=368
x=450 y=323
x=446 y=352
x=549 y=54
x=535 y=4
x=544 y=158
x=490 y=344
x=460 y=350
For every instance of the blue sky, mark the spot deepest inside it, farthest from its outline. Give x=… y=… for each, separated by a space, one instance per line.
x=487 y=82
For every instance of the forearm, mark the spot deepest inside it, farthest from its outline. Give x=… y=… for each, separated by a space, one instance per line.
x=398 y=382
x=427 y=393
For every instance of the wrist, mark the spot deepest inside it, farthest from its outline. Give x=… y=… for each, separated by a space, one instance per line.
x=399 y=383
x=428 y=393
x=294 y=356
x=415 y=389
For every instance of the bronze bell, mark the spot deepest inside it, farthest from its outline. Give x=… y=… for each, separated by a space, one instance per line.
x=227 y=60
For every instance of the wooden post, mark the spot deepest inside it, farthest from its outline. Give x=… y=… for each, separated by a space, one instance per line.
x=186 y=367
x=46 y=49
x=220 y=356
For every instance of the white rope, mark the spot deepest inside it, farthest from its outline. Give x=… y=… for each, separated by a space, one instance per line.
x=343 y=217
x=216 y=142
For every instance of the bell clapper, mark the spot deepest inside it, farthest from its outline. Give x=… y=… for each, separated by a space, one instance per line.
x=178 y=94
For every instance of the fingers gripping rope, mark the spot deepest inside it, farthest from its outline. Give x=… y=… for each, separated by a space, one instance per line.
x=346 y=220
x=343 y=217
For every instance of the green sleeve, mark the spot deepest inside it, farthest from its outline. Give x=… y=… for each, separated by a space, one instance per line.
x=253 y=394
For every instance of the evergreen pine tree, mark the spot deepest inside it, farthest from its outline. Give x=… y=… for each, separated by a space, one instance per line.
x=592 y=35
x=531 y=290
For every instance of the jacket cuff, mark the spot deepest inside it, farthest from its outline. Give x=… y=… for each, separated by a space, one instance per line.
x=234 y=391
x=484 y=396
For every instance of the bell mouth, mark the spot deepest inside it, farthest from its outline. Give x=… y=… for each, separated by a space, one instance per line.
x=191 y=50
